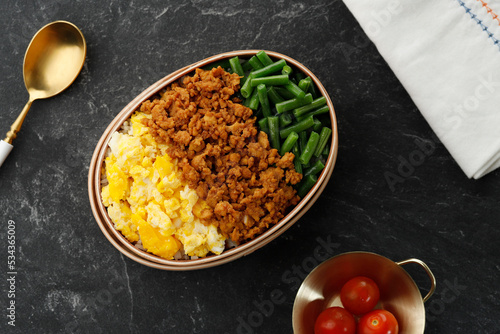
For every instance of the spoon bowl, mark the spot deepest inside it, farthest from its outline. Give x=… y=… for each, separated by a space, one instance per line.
x=53 y=60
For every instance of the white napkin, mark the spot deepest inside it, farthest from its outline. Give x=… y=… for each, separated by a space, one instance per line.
x=446 y=53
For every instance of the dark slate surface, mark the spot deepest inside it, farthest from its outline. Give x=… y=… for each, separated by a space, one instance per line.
x=71 y=279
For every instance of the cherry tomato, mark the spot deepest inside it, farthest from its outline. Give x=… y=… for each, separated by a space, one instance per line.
x=378 y=322
x=359 y=295
x=335 y=320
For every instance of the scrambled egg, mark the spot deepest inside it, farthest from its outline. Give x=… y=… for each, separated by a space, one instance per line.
x=148 y=203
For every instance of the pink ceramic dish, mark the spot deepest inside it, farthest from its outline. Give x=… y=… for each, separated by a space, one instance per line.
x=128 y=249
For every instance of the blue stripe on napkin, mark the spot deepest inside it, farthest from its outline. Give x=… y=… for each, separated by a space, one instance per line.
x=480 y=23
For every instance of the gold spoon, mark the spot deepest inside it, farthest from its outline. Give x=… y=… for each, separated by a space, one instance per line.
x=52 y=62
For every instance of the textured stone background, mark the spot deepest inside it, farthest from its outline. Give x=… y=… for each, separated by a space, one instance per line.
x=71 y=279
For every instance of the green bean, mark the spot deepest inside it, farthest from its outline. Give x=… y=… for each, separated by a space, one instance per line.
x=253 y=100
x=273 y=95
x=270 y=80
x=286 y=70
x=296 y=162
x=245 y=102
x=236 y=66
x=246 y=89
x=326 y=150
x=306 y=184
x=317 y=125
x=310 y=148
x=243 y=80
x=315 y=169
x=289 y=143
x=295 y=90
x=293 y=103
x=319 y=111
x=264 y=125
x=283 y=92
x=298 y=76
x=302 y=140
x=269 y=69
x=264 y=101
x=255 y=63
x=297 y=127
x=313 y=92
x=274 y=133
x=246 y=66
x=285 y=119
x=305 y=83
x=323 y=139
x=264 y=58
x=320 y=101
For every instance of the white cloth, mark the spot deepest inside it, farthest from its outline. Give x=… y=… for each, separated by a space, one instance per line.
x=446 y=53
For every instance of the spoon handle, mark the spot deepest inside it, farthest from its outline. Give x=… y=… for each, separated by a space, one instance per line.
x=5 y=149
x=16 y=126
x=6 y=144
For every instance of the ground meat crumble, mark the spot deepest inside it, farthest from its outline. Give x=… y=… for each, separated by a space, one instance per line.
x=222 y=155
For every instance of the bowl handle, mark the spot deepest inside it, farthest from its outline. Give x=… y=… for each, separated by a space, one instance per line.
x=427 y=270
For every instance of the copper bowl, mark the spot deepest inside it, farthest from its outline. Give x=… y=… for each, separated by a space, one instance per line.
x=136 y=254
x=399 y=293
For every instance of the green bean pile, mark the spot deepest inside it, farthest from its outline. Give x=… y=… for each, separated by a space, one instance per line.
x=288 y=110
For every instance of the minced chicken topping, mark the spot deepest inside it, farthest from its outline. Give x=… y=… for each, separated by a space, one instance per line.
x=221 y=154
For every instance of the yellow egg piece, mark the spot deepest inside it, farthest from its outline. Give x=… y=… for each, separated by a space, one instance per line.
x=106 y=198
x=138 y=129
x=199 y=207
x=139 y=172
x=128 y=150
x=121 y=215
x=153 y=241
x=171 y=206
x=147 y=162
x=159 y=219
x=163 y=165
x=118 y=183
